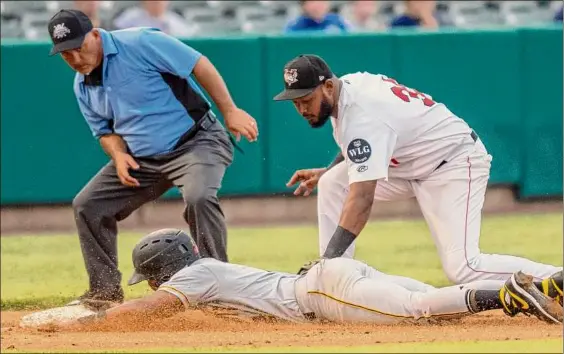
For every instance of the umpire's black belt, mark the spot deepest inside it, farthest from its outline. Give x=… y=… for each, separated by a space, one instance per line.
x=474 y=137
x=205 y=122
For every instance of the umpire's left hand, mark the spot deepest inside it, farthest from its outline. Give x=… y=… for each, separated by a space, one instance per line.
x=240 y=123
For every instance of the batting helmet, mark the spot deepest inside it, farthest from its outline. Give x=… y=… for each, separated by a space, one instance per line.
x=162 y=253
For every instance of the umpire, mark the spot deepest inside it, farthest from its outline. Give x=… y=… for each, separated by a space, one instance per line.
x=135 y=90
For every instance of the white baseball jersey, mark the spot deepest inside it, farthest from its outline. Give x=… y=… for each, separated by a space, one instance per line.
x=399 y=136
x=249 y=290
x=386 y=130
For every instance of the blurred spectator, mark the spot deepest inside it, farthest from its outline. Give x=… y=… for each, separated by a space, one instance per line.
x=316 y=17
x=419 y=13
x=155 y=14
x=362 y=16
x=90 y=9
x=558 y=17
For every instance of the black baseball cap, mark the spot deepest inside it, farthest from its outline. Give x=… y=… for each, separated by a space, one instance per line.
x=302 y=75
x=67 y=29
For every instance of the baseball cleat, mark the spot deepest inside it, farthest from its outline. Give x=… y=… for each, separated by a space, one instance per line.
x=552 y=287
x=520 y=295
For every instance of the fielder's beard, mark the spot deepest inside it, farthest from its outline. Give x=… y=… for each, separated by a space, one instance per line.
x=325 y=110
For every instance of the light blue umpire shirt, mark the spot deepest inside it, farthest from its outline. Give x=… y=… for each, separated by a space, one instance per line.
x=147 y=95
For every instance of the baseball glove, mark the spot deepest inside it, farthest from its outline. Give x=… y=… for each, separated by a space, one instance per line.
x=306 y=267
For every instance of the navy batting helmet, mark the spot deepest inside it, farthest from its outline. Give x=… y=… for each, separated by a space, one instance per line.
x=162 y=253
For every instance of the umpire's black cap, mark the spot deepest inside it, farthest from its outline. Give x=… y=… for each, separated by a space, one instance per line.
x=67 y=29
x=302 y=75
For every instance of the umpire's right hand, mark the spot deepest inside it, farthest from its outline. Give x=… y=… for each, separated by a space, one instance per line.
x=123 y=163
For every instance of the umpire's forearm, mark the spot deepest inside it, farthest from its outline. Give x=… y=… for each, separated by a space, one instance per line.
x=113 y=144
x=211 y=80
x=338 y=159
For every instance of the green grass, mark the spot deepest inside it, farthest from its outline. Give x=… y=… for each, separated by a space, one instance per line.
x=513 y=346
x=45 y=271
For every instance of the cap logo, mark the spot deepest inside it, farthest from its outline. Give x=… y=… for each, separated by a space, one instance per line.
x=321 y=77
x=60 y=31
x=290 y=76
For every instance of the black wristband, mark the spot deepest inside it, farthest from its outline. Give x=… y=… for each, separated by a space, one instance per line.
x=341 y=240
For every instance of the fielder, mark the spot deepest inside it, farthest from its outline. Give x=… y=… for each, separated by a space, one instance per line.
x=397 y=143
x=336 y=290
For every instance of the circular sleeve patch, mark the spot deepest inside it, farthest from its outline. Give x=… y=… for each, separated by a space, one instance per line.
x=359 y=151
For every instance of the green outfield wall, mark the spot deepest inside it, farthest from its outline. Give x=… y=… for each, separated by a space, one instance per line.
x=506 y=83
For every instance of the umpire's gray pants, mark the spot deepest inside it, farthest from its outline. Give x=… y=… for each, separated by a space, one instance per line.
x=197 y=168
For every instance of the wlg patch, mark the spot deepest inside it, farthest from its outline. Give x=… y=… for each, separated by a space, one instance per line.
x=359 y=151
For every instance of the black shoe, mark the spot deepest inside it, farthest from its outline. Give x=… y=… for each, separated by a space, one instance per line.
x=520 y=295
x=99 y=300
x=552 y=287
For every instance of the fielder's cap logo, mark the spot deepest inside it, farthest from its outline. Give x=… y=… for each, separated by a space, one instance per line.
x=290 y=76
x=60 y=31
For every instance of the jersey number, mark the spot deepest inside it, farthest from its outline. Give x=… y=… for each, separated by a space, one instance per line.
x=406 y=94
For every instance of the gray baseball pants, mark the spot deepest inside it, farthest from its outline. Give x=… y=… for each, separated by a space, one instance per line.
x=197 y=167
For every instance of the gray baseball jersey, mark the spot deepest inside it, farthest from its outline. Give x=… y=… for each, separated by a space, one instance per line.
x=337 y=290
x=251 y=291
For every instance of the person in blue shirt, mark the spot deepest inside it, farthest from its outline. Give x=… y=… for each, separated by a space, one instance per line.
x=137 y=90
x=558 y=16
x=417 y=14
x=316 y=17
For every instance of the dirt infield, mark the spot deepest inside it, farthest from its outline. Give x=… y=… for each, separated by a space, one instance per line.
x=195 y=329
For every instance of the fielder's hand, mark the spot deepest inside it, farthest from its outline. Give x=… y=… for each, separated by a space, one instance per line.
x=306 y=267
x=308 y=180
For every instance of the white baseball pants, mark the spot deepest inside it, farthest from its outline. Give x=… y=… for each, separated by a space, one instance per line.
x=451 y=201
